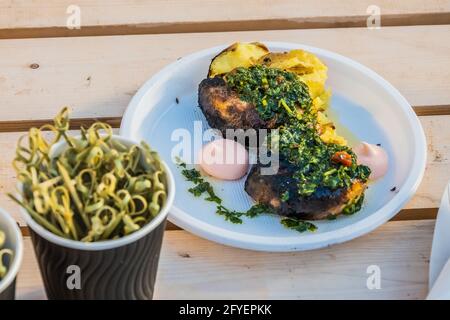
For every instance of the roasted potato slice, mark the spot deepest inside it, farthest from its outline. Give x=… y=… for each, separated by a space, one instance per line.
x=236 y=55
x=306 y=65
x=327 y=130
x=321 y=102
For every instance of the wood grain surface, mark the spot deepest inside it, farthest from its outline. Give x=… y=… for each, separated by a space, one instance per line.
x=97 y=76
x=193 y=268
x=48 y=18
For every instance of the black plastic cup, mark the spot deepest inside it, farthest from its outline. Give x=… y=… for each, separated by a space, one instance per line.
x=125 y=272
x=119 y=269
x=13 y=242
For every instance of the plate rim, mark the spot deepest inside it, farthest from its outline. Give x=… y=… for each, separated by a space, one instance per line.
x=312 y=241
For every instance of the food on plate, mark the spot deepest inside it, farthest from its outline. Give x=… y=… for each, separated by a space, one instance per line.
x=315 y=180
x=259 y=97
x=309 y=69
x=319 y=175
x=256 y=97
x=281 y=193
x=224 y=159
x=327 y=130
x=373 y=156
x=96 y=189
x=5 y=256
x=204 y=188
x=224 y=109
x=237 y=55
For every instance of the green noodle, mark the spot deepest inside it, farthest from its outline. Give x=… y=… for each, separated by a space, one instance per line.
x=96 y=189
x=4 y=252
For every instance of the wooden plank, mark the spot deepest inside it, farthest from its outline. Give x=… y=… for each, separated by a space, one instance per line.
x=403 y=215
x=193 y=268
x=428 y=195
x=416 y=214
x=44 y=18
x=97 y=76
x=76 y=123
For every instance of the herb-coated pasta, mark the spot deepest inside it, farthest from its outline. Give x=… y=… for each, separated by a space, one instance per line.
x=96 y=189
x=5 y=256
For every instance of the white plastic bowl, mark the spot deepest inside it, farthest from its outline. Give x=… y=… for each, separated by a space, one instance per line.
x=13 y=242
x=363 y=102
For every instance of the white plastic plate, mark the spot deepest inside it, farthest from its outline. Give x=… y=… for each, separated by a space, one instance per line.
x=363 y=103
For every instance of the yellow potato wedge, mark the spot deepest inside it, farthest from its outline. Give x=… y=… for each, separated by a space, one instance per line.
x=327 y=130
x=306 y=65
x=236 y=55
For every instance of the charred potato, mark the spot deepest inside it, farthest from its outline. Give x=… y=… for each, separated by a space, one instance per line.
x=237 y=55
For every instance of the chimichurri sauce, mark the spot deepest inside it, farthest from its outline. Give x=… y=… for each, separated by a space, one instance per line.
x=275 y=93
x=315 y=160
x=280 y=94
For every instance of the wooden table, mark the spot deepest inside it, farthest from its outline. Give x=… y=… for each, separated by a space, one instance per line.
x=98 y=68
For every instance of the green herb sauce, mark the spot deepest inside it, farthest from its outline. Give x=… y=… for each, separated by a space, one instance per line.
x=280 y=94
x=354 y=206
x=298 y=225
x=275 y=93
x=301 y=145
x=204 y=187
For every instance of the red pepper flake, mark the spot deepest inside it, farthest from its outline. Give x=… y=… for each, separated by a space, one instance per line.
x=343 y=158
